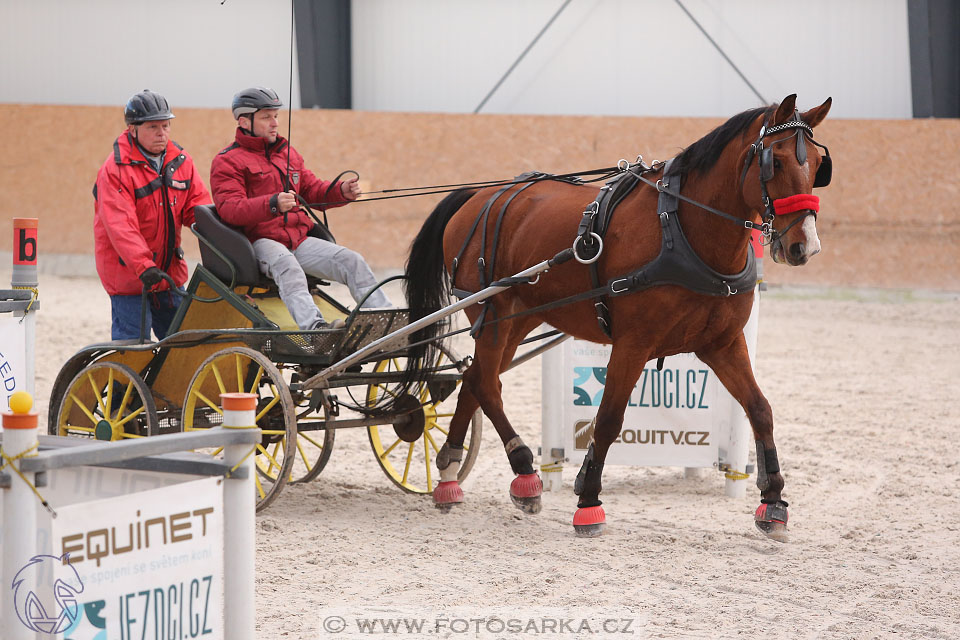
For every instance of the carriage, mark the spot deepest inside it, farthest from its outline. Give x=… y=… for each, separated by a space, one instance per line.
x=233 y=333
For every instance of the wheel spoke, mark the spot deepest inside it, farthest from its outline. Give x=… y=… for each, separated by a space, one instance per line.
x=406 y=468
x=216 y=374
x=303 y=454
x=308 y=438
x=126 y=398
x=96 y=393
x=207 y=401
x=270 y=405
x=426 y=454
x=273 y=464
x=387 y=451
x=236 y=358
x=264 y=451
x=72 y=427
x=256 y=381
x=90 y=415
x=260 y=490
x=385 y=390
x=129 y=417
x=108 y=404
x=428 y=438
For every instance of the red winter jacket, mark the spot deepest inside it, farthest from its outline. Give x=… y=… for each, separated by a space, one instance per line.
x=138 y=215
x=247 y=175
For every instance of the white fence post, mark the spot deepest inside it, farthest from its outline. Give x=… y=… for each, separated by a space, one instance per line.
x=19 y=512
x=239 y=509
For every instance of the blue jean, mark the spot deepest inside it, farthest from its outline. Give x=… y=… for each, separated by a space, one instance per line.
x=125 y=311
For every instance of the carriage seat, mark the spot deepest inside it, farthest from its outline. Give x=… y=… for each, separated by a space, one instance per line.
x=231 y=242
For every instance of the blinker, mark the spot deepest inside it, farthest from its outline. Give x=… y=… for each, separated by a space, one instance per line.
x=824 y=172
x=766 y=164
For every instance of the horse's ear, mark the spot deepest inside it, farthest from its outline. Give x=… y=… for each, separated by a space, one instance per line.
x=815 y=116
x=786 y=109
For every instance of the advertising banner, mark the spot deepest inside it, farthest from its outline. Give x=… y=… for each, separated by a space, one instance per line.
x=142 y=565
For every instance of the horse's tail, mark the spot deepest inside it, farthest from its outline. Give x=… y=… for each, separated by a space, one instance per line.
x=427 y=284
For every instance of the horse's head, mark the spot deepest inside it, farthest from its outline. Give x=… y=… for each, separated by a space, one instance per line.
x=780 y=170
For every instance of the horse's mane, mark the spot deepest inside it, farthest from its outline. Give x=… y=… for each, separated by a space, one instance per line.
x=704 y=153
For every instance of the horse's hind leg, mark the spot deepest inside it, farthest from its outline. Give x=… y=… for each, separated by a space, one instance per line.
x=448 y=493
x=731 y=363
x=482 y=387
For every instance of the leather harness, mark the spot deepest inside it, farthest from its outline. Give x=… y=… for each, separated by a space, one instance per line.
x=676 y=264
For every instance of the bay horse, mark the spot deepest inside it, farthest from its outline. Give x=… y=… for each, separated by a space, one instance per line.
x=745 y=174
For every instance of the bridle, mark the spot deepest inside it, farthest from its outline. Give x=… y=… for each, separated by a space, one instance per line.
x=807 y=203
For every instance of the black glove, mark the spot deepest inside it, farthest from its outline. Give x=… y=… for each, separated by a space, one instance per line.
x=151 y=277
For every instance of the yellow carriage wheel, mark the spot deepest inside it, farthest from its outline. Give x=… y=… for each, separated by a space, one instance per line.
x=314 y=443
x=239 y=369
x=407 y=453
x=107 y=401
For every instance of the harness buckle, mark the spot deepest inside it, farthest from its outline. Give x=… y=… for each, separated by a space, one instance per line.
x=660 y=186
x=626 y=287
x=730 y=290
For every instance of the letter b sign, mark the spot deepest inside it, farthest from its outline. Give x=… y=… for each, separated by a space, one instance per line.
x=25 y=242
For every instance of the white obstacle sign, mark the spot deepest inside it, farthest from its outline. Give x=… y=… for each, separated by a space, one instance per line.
x=148 y=564
x=678 y=416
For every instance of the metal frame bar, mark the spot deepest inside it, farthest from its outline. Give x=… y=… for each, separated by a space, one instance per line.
x=120 y=453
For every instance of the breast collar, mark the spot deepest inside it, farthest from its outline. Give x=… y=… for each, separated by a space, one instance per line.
x=676 y=264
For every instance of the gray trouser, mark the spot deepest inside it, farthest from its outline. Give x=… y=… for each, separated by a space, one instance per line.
x=320 y=259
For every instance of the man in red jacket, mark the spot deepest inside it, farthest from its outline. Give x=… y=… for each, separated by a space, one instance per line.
x=145 y=191
x=253 y=190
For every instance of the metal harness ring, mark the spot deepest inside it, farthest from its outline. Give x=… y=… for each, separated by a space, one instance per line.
x=576 y=255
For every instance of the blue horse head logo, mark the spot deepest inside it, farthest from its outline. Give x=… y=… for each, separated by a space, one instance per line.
x=47 y=617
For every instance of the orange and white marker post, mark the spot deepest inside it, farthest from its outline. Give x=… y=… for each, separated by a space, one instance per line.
x=20 y=507
x=18 y=333
x=239 y=508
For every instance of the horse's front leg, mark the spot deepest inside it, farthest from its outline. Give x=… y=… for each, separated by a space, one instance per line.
x=731 y=363
x=623 y=371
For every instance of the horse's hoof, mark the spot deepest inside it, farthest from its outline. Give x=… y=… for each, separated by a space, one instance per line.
x=589 y=522
x=771 y=519
x=525 y=491
x=527 y=505
x=446 y=495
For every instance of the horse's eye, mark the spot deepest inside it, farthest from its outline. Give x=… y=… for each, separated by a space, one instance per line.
x=776 y=163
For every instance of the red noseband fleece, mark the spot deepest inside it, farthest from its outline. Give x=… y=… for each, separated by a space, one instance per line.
x=799 y=202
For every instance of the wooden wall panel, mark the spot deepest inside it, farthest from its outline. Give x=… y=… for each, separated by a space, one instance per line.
x=891 y=217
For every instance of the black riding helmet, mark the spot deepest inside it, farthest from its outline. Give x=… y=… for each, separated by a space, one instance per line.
x=251 y=100
x=146 y=106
